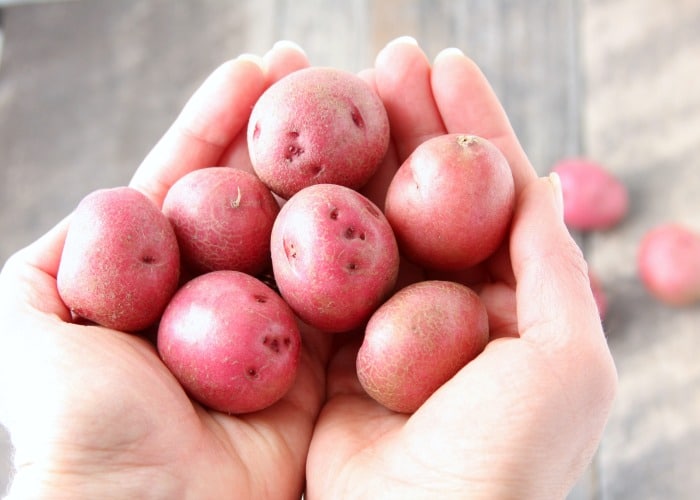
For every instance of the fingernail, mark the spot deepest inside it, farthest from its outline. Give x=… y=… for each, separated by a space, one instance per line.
x=555 y=181
x=450 y=51
x=288 y=44
x=406 y=39
x=256 y=59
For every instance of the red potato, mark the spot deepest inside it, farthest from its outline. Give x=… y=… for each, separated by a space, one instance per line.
x=668 y=263
x=419 y=339
x=451 y=202
x=231 y=342
x=334 y=256
x=120 y=263
x=594 y=199
x=317 y=125
x=223 y=219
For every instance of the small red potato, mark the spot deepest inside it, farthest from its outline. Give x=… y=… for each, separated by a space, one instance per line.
x=231 y=342
x=451 y=202
x=223 y=218
x=120 y=263
x=594 y=199
x=668 y=263
x=419 y=339
x=317 y=125
x=334 y=256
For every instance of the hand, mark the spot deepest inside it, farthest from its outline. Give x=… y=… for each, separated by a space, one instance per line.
x=524 y=418
x=92 y=412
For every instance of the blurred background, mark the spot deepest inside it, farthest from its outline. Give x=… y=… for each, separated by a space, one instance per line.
x=88 y=86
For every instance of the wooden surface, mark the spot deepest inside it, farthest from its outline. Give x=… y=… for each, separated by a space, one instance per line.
x=88 y=86
x=642 y=116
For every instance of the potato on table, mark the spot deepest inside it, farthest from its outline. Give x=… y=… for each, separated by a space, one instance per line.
x=668 y=262
x=594 y=199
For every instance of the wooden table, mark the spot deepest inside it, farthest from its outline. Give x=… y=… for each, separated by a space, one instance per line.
x=87 y=87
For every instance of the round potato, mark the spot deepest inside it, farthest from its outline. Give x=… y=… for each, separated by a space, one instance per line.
x=120 y=263
x=223 y=218
x=668 y=263
x=231 y=342
x=451 y=202
x=419 y=339
x=334 y=256
x=594 y=199
x=317 y=125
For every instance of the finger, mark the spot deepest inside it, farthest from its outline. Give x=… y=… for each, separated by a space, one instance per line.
x=468 y=104
x=499 y=300
x=342 y=375
x=236 y=155
x=212 y=118
x=44 y=254
x=29 y=276
x=553 y=294
x=378 y=185
x=558 y=317
x=402 y=73
x=283 y=58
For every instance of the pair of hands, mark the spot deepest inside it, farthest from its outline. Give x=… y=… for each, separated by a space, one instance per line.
x=93 y=413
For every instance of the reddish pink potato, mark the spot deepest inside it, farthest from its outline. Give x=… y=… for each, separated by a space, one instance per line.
x=334 y=256
x=120 y=263
x=317 y=125
x=419 y=339
x=451 y=202
x=223 y=219
x=594 y=199
x=231 y=342
x=668 y=263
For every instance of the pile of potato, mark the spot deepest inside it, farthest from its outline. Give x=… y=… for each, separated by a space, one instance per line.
x=234 y=262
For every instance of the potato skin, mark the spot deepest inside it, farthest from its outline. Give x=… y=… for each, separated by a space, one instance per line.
x=668 y=263
x=317 y=125
x=223 y=218
x=451 y=202
x=334 y=256
x=594 y=199
x=419 y=339
x=120 y=263
x=231 y=342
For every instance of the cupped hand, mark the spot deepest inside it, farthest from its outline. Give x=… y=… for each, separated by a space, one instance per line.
x=524 y=418
x=92 y=412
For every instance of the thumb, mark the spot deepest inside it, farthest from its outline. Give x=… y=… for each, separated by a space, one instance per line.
x=558 y=316
x=28 y=277
x=555 y=303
